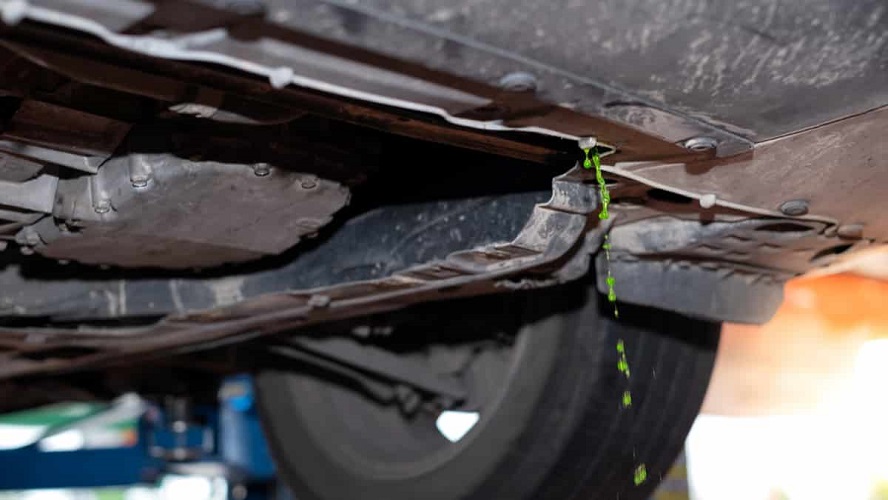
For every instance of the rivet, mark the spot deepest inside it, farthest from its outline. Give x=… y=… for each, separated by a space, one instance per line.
x=13 y=11
x=707 y=200
x=280 y=77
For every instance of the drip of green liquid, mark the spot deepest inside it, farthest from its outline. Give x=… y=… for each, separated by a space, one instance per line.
x=602 y=185
x=627 y=399
x=640 y=475
x=604 y=193
x=622 y=362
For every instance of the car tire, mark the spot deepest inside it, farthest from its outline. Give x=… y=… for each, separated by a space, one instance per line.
x=560 y=427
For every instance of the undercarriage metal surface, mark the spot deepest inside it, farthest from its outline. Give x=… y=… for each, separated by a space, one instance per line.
x=836 y=172
x=710 y=231
x=284 y=57
x=750 y=69
x=163 y=211
x=554 y=233
x=367 y=247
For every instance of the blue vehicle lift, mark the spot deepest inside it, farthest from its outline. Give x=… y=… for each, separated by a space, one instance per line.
x=172 y=439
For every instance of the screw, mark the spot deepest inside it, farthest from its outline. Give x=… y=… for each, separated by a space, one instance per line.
x=700 y=144
x=103 y=206
x=794 y=207
x=587 y=142
x=261 y=169
x=519 y=81
x=851 y=231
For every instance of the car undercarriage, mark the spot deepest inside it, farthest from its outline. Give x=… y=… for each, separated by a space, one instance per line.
x=187 y=186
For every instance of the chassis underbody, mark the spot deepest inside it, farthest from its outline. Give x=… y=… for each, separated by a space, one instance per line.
x=709 y=221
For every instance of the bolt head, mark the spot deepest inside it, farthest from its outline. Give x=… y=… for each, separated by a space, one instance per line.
x=519 y=81
x=309 y=182
x=700 y=144
x=794 y=208
x=102 y=206
x=261 y=169
x=139 y=181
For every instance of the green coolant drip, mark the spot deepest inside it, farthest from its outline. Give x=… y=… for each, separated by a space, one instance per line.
x=627 y=399
x=641 y=475
x=622 y=362
x=602 y=185
x=588 y=163
x=610 y=280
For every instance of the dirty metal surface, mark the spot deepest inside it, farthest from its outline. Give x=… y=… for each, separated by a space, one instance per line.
x=553 y=234
x=369 y=246
x=732 y=270
x=755 y=68
x=39 y=123
x=158 y=210
x=176 y=84
x=837 y=170
x=285 y=57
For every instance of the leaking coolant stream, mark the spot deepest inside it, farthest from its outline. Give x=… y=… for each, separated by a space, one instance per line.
x=640 y=472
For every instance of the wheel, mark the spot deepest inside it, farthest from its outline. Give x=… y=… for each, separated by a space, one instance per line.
x=545 y=383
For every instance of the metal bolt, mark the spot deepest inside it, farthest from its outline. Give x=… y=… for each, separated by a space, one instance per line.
x=700 y=144
x=851 y=231
x=794 y=207
x=587 y=142
x=309 y=182
x=261 y=169
x=519 y=81
x=103 y=206
x=139 y=181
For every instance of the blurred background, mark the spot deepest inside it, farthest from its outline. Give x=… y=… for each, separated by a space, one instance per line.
x=797 y=408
